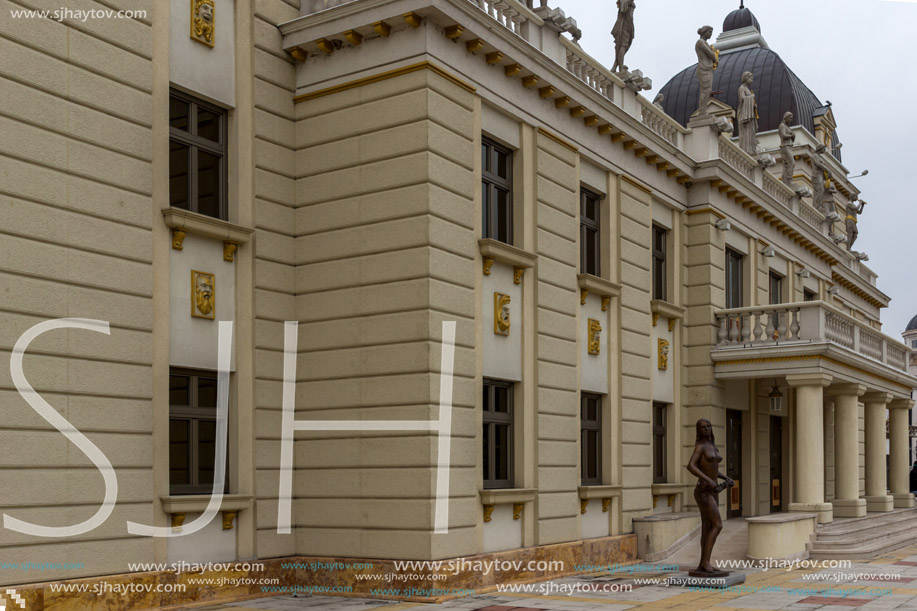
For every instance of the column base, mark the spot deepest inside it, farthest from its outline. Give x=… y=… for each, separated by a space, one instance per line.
x=849 y=508
x=903 y=500
x=879 y=504
x=823 y=511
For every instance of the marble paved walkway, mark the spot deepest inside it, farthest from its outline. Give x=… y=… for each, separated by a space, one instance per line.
x=888 y=582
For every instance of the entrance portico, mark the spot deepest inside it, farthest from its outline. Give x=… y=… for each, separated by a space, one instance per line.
x=826 y=368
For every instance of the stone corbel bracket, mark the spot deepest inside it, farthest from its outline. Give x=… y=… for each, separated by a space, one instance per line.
x=604 y=493
x=493 y=251
x=183 y=222
x=178 y=506
x=597 y=286
x=517 y=497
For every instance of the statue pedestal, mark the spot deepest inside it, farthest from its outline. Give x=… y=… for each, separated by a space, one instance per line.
x=699 y=120
x=688 y=581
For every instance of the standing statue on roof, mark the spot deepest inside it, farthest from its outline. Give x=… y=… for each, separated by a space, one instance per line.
x=707 y=62
x=623 y=33
x=787 y=140
x=851 y=221
x=747 y=116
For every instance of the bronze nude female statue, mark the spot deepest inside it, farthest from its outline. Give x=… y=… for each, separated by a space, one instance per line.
x=705 y=465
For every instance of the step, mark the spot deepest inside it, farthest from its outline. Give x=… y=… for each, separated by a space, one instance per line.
x=870 y=521
x=865 y=551
x=858 y=539
x=867 y=530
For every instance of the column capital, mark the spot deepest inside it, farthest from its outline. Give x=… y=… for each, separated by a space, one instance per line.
x=901 y=404
x=809 y=379
x=857 y=390
x=878 y=397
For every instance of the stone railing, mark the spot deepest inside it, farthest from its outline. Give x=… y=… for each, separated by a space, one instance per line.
x=778 y=190
x=806 y=322
x=589 y=70
x=314 y=6
x=510 y=14
x=737 y=158
x=659 y=122
x=810 y=215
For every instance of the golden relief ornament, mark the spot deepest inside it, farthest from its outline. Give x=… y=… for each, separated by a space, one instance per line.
x=202 y=16
x=501 y=314
x=203 y=295
x=663 y=354
x=595 y=336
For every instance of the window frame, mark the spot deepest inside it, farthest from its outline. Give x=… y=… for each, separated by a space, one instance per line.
x=590 y=263
x=809 y=295
x=734 y=286
x=660 y=273
x=492 y=182
x=774 y=281
x=586 y=426
x=660 y=442
x=194 y=414
x=490 y=420
x=194 y=142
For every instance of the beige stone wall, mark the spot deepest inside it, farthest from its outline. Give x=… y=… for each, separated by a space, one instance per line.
x=384 y=252
x=273 y=242
x=75 y=208
x=557 y=297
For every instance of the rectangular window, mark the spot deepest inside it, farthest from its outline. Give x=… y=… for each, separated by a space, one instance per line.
x=498 y=434
x=590 y=237
x=660 y=473
x=775 y=290
x=497 y=191
x=914 y=343
x=733 y=279
x=197 y=156
x=808 y=295
x=192 y=431
x=659 y=275
x=591 y=439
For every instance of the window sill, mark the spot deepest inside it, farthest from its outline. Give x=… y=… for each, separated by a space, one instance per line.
x=667 y=309
x=665 y=489
x=494 y=250
x=517 y=497
x=588 y=493
x=182 y=222
x=178 y=506
x=601 y=287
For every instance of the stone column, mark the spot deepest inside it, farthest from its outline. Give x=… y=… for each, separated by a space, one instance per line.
x=809 y=459
x=898 y=452
x=877 y=497
x=847 y=502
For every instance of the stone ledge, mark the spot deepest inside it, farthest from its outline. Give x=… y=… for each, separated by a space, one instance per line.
x=508 y=496
x=197 y=503
x=587 y=493
x=599 y=286
x=504 y=253
x=667 y=309
x=206 y=226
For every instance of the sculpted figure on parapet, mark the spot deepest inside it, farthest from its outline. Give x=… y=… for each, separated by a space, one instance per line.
x=623 y=33
x=707 y=62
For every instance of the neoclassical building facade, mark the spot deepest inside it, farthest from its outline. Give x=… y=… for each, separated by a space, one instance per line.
x=615 y=270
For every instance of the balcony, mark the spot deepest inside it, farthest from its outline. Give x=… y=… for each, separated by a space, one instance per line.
x=772 y=340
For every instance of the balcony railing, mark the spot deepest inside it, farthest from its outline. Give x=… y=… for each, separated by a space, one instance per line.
x=510 y=14
x=804 y=323
x=737 y=158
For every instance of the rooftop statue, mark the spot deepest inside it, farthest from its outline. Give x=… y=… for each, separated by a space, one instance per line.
x=787 y=140
x=659 y=101
x=707 y=61
x=853 y=209
x=623 y=32
x=747 y=116
x=705 y=465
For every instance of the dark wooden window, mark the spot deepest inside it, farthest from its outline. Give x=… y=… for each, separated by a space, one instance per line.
x=776 y=288
x=733 y=279
x=497 y=191
x=660 y=454
x=591 y=439
x=659 y=265
x=192 y=431
x=808 y=295
x=590 y=236
x=498 y=434
x=197 y=156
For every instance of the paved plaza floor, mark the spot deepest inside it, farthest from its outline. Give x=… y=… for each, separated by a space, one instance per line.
x=887 y=582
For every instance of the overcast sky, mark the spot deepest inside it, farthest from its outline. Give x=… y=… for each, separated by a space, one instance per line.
x=859 y=54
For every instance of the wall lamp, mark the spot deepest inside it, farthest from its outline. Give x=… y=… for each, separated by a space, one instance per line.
x=804 y=273
x=723 y=225
x=839 y=239
x=769 y=252
x=833 y=291
x=865 y=173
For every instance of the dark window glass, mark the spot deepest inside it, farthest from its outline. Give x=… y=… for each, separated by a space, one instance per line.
x=498 y=434
x=659 y=264
x=590 y=249
x=591 y=439
x=733 y=279
x=808 y=295
x=192 y=431
x=776 y=288
x=197 y=156
x=659 y=443
x=497 y=192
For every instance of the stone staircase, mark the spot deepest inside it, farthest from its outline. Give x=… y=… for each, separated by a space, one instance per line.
x=864 y=538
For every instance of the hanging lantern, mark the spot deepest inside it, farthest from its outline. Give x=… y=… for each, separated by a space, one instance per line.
x=776 y=398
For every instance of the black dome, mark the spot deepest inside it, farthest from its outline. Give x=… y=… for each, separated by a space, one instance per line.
x=911 y=325
x=777 y=90
x=740 y=18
